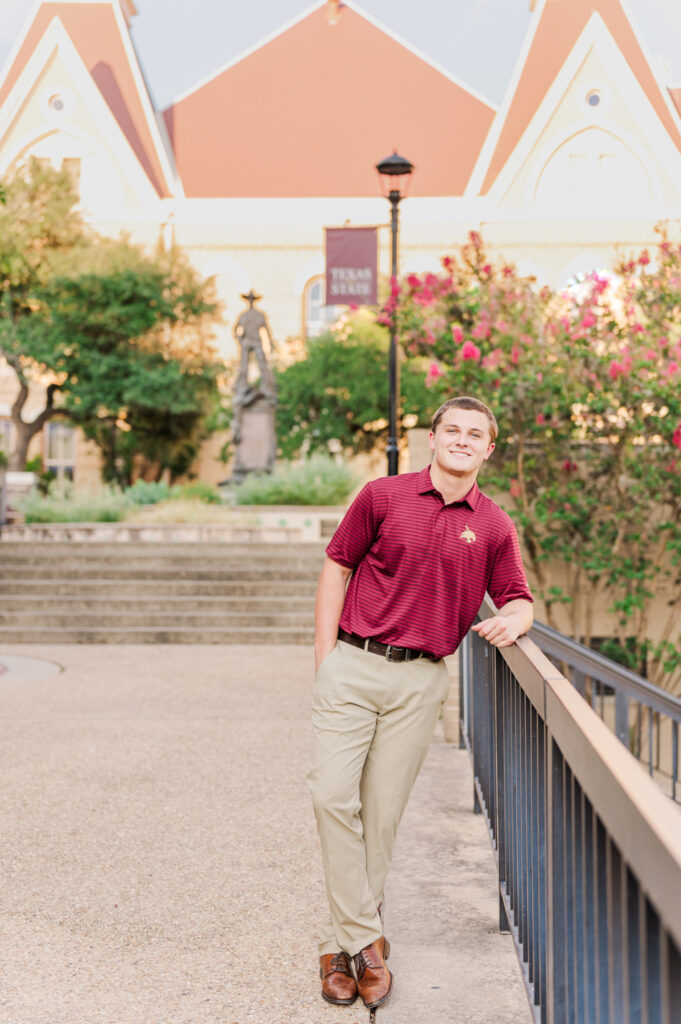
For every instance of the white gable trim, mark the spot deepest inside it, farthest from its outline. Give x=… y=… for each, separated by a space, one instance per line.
x=362 y=14
x=160 y=141
x=247 y=52
x=595 y=35
x=664 y=89
x=488 y=150
x=14 y=52
x=56 y=37
x=419 y=53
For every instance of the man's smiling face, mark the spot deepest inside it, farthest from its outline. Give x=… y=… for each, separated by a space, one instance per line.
x=461 y=442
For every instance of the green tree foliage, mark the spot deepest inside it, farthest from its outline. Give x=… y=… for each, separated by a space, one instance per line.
x=118 y=337
x=339 y=392
x=585 y=384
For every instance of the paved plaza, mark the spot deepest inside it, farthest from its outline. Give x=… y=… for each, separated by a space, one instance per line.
x=159 y=855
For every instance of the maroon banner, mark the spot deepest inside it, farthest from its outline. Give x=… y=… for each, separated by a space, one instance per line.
x=351 y=266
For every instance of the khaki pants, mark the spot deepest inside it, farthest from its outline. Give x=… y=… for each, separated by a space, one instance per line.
x=372 y=721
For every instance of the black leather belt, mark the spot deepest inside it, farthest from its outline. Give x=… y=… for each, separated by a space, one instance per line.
x=388 y=651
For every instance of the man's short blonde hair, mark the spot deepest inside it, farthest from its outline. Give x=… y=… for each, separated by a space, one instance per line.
x=467 y=402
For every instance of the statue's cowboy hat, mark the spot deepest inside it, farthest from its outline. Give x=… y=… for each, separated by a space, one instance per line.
x=251 y=296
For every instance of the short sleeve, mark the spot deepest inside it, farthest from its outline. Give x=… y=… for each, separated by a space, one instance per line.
x=508 y=581
x=356 y=532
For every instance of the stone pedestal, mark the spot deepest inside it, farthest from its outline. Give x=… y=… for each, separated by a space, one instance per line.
x=254 y=436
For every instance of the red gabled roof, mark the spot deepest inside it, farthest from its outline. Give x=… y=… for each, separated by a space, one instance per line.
x=312 y=110
x=560 y=24
x=96 y=34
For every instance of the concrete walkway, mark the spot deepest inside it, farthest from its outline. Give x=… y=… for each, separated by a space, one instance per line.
x=159 y=858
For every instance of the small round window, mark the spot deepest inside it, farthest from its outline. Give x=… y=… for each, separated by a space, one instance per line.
x=593 y=98
x=56 y=103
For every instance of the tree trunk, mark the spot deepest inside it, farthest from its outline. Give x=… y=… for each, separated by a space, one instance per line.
x=27 y=430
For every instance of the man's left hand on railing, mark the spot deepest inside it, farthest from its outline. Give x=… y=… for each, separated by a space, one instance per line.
x=513 y=620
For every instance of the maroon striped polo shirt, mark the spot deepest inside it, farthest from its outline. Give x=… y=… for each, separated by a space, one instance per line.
x=421 y=568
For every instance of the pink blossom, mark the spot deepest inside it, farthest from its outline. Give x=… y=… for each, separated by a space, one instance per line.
x=569 y=467
x=424 y=297
x=514 y=490
x=540 y=376
x=487 y=269
x=672 y=369
x=507 y=271
x=492 y=359
x=644 y=258
x=481 y=330
x=470 y=351
x=434 y=372
x=650 y=355
x=637 y=328
x=588 y=321
x=394 y=287
x=457 y=334
x=414 y=281
x=676 y=439
x=447 y=262
x=617 y=369
x=432 y=281
x=515 y=355
x=540 y=419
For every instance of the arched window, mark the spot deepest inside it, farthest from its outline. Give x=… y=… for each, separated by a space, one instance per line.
x=318 y=317
x=60 y=449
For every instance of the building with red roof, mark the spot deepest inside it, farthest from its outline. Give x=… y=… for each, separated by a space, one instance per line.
x=246 y=169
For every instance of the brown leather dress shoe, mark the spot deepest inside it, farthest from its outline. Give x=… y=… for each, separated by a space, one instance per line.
x=374 y=980
x=338 y=983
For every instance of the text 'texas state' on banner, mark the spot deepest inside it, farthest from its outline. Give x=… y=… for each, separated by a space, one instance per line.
x=351 y=266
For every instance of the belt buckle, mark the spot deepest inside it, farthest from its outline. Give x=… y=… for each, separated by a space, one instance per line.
x=388 y=652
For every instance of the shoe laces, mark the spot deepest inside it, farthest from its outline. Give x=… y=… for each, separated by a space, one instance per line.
x=340 y=964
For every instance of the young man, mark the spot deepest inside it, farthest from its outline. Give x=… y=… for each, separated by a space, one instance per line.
x=419 y=551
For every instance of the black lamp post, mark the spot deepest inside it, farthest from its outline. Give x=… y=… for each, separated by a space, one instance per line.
x=395 y=173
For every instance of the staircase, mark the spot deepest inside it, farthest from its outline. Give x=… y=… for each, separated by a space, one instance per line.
x=175 y=593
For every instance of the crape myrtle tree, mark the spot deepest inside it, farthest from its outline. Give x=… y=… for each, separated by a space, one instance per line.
x=119 y=339
x=129 y=342
x=586 y=384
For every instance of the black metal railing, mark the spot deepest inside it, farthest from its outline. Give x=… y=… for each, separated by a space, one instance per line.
x=643 y=716
x=587 y=846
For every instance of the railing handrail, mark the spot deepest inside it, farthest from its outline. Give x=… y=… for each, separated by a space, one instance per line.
x=596 y=665
x=643 y=822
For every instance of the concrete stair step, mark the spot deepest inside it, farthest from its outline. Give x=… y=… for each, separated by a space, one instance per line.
x=132 y=571
x=161 y=588
x=23 y=603
x=74 y=552
x=185 y=619
x=143 y=635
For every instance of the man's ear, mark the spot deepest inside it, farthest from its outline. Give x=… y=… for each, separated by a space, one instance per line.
x=431 y=441
x=491 y=448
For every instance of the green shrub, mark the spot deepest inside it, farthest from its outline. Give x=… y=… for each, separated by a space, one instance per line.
x=147 y=492
x=317 y=481
x=62 y=505
x=197 y=489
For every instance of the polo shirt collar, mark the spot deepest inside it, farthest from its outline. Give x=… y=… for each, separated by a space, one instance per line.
x=425 y=486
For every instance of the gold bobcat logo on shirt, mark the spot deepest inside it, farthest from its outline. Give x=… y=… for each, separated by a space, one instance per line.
x=467 y=535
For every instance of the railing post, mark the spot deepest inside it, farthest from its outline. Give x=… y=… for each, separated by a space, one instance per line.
x=622 y=718
x=555 y=879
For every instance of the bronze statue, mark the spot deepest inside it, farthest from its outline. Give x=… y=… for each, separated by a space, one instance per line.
x=254 y=405
x=248 y=332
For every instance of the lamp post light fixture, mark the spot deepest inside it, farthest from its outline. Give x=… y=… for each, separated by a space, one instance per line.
x=395 y=174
